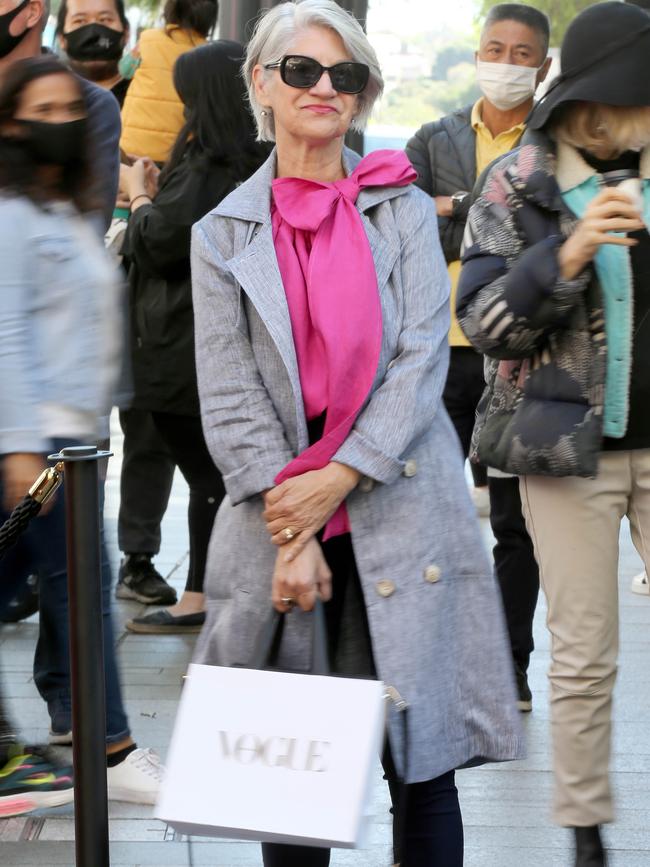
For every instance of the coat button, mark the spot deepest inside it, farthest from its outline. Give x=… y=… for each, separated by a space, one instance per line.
x=410 y=469
x=366 y=485
x=432 y=574
x=385 y=588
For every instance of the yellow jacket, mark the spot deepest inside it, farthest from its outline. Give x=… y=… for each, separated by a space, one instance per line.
x=152 y=115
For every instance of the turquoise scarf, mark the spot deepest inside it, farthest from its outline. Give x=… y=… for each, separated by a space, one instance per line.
x=614 y=273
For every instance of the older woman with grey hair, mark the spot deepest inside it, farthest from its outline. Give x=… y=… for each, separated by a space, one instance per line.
x=321 y=298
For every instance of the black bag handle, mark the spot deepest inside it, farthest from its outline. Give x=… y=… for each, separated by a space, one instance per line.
x=267 y=646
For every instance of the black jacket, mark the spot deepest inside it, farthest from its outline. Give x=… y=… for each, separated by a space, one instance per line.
x=443 y=153
x=157 y=245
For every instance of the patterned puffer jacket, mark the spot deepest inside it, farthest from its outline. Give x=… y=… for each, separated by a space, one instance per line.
x=544 y=337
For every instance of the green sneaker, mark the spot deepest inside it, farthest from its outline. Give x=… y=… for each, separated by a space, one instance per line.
x=31 y=781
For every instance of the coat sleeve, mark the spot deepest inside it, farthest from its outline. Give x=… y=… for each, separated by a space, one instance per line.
x=20 y=429
x=159 y=234
x=402 y=408
x=511 y=295
x=422 y=151
x=105 y=129
x=417 y=150
x=242 y=430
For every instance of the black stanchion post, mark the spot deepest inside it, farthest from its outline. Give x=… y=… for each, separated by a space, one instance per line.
x=86 y=653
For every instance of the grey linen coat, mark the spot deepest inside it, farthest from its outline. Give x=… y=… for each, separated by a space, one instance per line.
x=433 y=605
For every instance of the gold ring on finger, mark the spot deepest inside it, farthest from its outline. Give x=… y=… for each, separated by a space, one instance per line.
x=288 y=534
x=289 y=601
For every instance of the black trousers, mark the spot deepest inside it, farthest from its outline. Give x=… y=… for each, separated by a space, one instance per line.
x=463 y=390
x=183 y=437
x=432 y=825
x=515 y=564
x=145 y=483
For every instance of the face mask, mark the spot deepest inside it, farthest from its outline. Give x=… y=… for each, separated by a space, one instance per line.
x=57 y=144
x=506 y=85
x=94 y=42
x=7 y=41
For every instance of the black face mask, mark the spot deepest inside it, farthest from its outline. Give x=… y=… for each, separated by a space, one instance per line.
x=58 y=144
x=7 y=41
x=94 y=42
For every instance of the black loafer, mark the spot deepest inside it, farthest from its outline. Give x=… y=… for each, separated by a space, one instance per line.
x=159 y=622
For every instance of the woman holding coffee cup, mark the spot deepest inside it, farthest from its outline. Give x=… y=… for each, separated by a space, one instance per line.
x=555 y=290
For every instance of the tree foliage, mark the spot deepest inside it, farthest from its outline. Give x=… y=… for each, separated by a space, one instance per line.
x=417 y=101
x=560 y=12
x=150 y=8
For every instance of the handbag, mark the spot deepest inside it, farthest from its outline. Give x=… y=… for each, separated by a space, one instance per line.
x=259 y=753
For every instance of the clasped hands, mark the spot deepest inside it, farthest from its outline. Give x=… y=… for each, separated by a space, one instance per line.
x=302 y=506
x=138 y=179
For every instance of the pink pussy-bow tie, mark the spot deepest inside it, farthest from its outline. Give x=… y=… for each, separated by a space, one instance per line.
x=304 y=204
x=333 y=299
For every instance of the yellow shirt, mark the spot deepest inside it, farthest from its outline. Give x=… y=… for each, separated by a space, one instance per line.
x=488 y=149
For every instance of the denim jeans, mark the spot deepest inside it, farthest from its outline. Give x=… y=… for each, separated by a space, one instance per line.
x=42 y=549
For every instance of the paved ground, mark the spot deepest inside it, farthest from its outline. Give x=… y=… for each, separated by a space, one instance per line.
x=505 y=807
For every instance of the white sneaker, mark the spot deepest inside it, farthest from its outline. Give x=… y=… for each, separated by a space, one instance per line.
x=640 y=584
x=481 y=498
x=136 y=779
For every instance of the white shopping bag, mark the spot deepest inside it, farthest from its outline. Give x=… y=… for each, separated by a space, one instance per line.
x=273 y=756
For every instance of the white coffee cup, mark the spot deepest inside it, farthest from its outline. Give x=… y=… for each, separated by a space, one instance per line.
x=632 y=188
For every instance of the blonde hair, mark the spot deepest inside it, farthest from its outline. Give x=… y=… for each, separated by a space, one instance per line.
x=606 y=131
x=276 y=30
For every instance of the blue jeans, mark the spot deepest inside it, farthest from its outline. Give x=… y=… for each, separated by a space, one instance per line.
x=42 y=549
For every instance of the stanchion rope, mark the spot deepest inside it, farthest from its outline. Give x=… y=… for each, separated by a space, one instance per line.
x=29 y=507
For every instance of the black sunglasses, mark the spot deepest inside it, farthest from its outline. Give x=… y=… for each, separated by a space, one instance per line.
x=303 y=72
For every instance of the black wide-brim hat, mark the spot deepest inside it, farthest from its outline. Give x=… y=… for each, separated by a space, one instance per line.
x=605 y=58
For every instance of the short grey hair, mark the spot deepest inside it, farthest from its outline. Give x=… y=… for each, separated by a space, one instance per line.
x=278 y=27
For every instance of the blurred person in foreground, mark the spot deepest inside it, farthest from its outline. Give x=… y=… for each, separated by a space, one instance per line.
x=152 y=116
x=555 y=289
x=21 y=28
x=27 y=21
x=449 y=154
x=215 y=151
x=321 y=305
x=59 y=354
x=94 y=34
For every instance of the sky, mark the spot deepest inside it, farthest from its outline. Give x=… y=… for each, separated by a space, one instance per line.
x=458 y=14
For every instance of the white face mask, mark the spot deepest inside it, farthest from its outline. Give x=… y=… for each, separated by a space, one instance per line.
x=506 y=85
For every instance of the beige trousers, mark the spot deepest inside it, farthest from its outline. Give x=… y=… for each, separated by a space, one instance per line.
x=574 y=524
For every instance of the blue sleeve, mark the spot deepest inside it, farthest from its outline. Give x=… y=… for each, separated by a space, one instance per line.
x=105 y=131
x=20 y=425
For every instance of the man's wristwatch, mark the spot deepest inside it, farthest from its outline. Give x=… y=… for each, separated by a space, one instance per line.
x=457 y=200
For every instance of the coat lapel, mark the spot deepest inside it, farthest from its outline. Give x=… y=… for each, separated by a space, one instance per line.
x=257 y=272
x=385 y=251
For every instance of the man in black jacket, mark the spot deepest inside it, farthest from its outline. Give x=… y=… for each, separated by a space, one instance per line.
x=449 y=154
